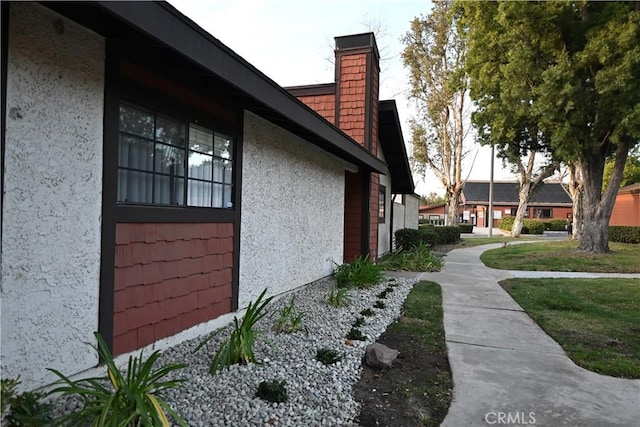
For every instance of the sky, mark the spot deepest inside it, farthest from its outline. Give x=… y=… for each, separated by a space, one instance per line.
x=292 y=42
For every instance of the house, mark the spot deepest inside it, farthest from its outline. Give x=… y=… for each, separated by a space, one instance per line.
x=550 y=200
x=626 y=209
x=154 y=182
x=433 y=214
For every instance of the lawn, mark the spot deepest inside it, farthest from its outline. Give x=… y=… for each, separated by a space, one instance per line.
x=596 y=321
x=563 y=256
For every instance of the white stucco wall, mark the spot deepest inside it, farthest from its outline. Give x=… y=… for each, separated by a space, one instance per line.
x=292 y=211
x=384 y=228
x=412 y=208
x=398 y=219
x=52 y=205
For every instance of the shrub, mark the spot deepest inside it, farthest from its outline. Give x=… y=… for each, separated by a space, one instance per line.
x=407 y=238
x=338 y=298
x=131 y=400
x=379 y=304
x=238 y=348
x=532 y=226
x=367 y=312
x=358 y=322
x=360 y=272
x=465 y=227
x=624 y=234
x=25 y=409
x=420 y=258
x=556 y=225
x=448 y=234
x=506 y=222
x=289 y=320
x=356 y=334
x=328 y=356
x=273 y=391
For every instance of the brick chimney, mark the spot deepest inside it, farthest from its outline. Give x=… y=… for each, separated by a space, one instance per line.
x=356 y=113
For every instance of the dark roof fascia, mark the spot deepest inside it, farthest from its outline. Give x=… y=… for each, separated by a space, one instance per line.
x=312 y=90
x=393 y=148
x=167 y=25
x=630 y=189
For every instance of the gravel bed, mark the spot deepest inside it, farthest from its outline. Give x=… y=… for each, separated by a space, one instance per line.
x=319 y=395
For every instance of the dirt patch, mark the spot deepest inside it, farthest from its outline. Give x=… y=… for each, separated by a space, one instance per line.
x=414 y=392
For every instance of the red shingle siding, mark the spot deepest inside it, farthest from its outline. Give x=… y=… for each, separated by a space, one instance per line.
x=352 y=89
x=373 y=216
x=352 y=216
x=325 y=105
x=169 y=277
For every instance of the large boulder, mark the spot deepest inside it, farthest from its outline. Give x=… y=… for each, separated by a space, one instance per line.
x=379 y=356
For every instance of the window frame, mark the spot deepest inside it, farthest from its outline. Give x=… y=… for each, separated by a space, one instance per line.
x=382 y=204
x=537 y=213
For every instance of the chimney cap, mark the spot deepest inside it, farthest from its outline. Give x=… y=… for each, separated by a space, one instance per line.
x=357 y=41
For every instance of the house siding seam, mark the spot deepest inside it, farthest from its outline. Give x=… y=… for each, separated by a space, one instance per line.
x=52 y=204
x=168 y=278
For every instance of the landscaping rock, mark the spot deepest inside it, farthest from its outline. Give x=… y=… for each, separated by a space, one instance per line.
x=379 y=356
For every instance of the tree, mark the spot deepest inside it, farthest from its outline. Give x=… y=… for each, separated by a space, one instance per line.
x=631 y=172
x=432 y=199
x=584 y=100
x=434 y=55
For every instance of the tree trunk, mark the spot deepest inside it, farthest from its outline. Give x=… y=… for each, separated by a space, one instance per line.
x=453 y=206
x=597 y=206
x=523 y=200
x=575 y=191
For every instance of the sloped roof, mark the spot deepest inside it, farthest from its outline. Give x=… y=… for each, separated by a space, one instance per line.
x=506 y=193
x=392 y=143
x=170 y=39
x=629 y=189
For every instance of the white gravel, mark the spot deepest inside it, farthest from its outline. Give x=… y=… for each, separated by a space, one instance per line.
x=319 y=395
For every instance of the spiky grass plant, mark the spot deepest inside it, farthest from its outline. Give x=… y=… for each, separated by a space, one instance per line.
x=117 y=399
x=356 y=334
x=367 y=312
x=289 y=319
x=238 y=347
x=338 y=297
x=361 y=273
x=358 y=322
x=23 y=409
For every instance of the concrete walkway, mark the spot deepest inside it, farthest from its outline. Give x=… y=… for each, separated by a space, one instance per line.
x=506 y=369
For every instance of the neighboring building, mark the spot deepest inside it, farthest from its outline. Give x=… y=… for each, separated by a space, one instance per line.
x=626 y=210
x=154 y=182
x=433 y=214
x=550 y=200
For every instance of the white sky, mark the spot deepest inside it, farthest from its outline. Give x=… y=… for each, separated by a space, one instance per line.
x=291 y=41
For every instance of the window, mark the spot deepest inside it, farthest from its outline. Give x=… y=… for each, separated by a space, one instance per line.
x=163 y=160
x=543 y=213
x=382 y=201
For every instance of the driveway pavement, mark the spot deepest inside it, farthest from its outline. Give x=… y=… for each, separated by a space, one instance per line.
x=506 y=369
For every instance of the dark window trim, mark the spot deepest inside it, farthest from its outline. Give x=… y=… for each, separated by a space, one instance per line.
x=382 y=191
x=159 y=213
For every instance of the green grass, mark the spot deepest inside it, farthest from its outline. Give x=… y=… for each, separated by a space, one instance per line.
x=563 y=256
x=596 y=321
x=422 y=320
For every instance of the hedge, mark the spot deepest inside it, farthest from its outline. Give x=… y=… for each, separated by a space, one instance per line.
x=506 y=222
x=532 y=226
x=465 y=227
x=556 y=225
x=408 y=238
x=624 y=234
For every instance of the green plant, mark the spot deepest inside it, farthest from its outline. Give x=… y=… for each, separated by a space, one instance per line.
x=25 y=409
x=367 y=312
x=130 y=400
x=465 y=227
x=238 y=347
x=624 y=234
x=358 y=322
x=382 y=295
x=361 y=272
x=338 y=297
x=532 y=226
x=389 y=288
x=379 y=304
x=556 y=224
x=420 y=258
x=273 y=391
x=7 y=392
x=356 y=334
x=506 y=222
x=328 y=356
x=289 y=320
x=447 y=234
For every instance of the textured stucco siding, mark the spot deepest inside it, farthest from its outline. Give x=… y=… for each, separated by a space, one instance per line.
x=291 y=230
x=384 y=228
x=411 y=209
x=52 y=205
